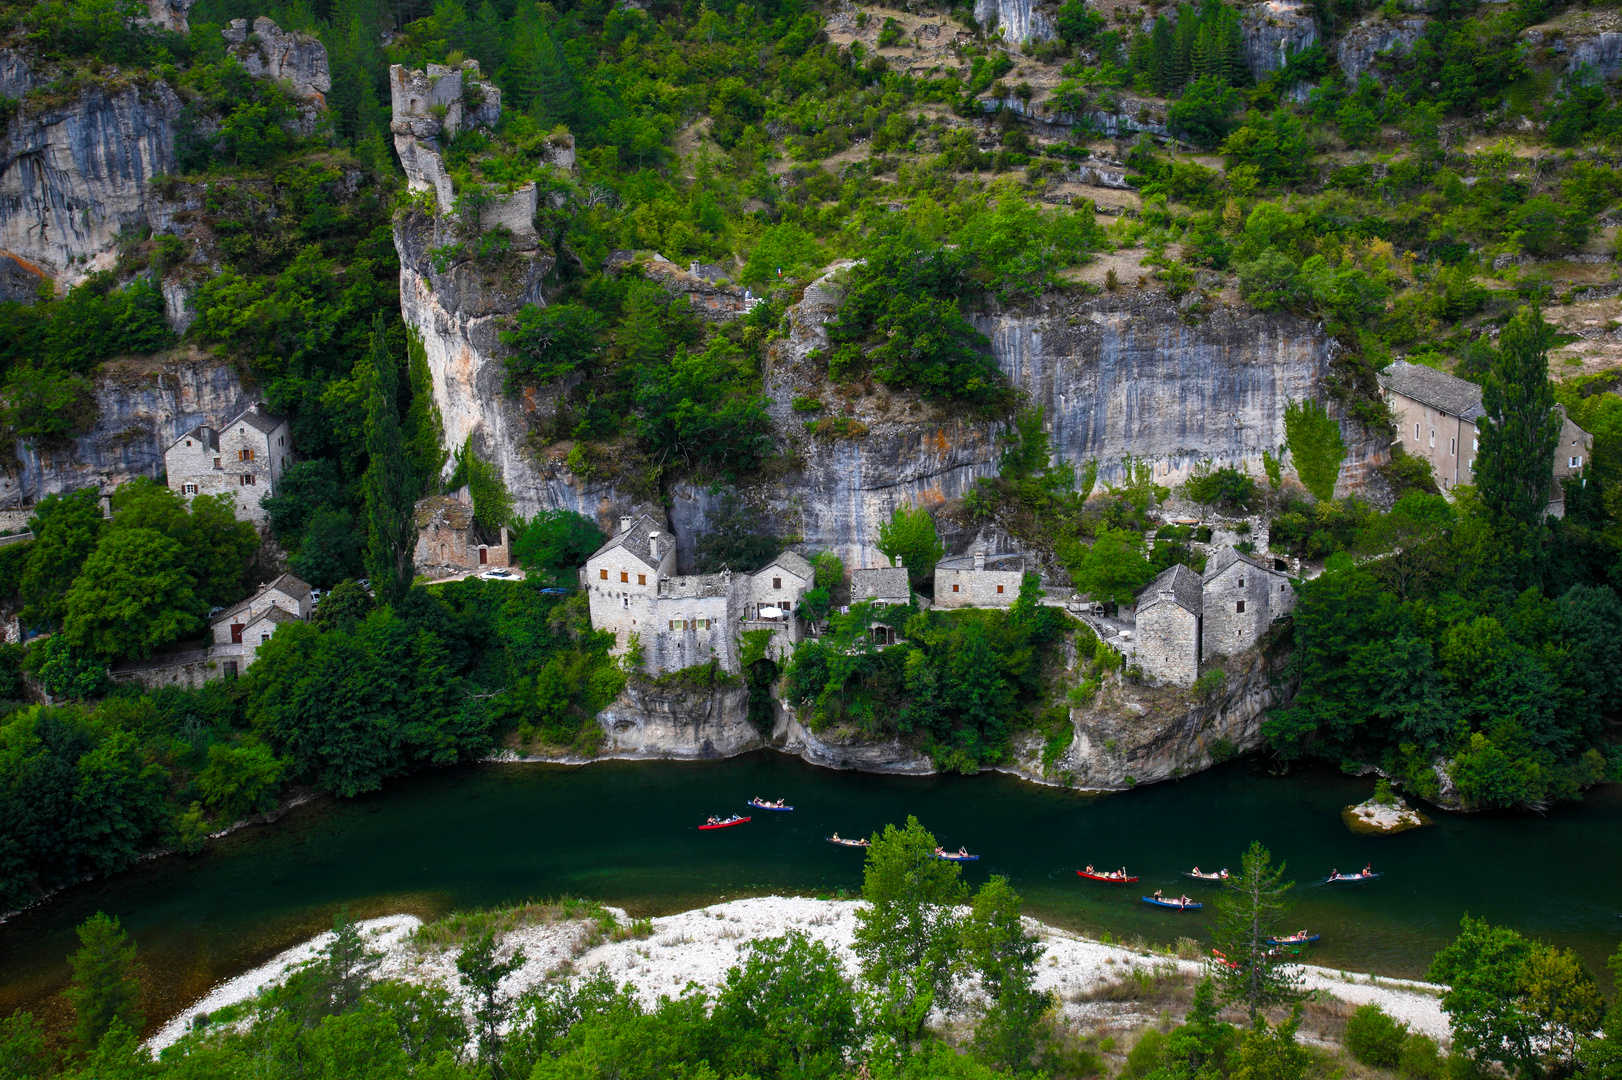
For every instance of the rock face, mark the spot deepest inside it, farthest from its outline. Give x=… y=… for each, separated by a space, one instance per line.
x=144 y=407
x=649 y=721
x=290 y=56
x=169 y=14
x=1358 y=47
x=1132 y=736
x=1017 y=20
x=1602 y=54
x=72 y=176
x=1273 y=31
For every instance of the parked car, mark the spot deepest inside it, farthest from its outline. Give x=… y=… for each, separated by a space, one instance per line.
x=498 y=572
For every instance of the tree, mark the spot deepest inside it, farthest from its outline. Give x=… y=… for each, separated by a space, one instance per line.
x=65 y=528
x=1250 y=911
x=343 y=969
x=1201 y=115
x=331 y=550
x=1515 y=1002
x=215 y=548
x=47 y=407
x=737 y=539
x=907 y=933
x=1316 y=447
x=132 y=597
x=1373 y=1038
x=1113 y=569
x=347 y=601
x=492 y=503
x=24 y=1054
x=1519 y=430
x=910 y=533
x=1269 y=1053
x=104 y=990
x=479 y=970
x=240 y=778
x=390 y=483
x=552 y=342
x=788 y=1010
x=424 y=426
x=1004 y=955
x=555 y=543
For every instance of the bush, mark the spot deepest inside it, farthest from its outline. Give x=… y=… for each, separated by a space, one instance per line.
x=1226 y=486
x=1419 y=1059
x=1373 y=1038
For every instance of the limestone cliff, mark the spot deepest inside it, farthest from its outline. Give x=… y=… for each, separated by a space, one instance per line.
x=144 y=406
x=1273 y=31
x=1015 y=20
x=1358 y=47
x=653 y=721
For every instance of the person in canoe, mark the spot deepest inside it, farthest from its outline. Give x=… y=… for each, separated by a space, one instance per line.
x=1368 y=870
x=1090 y=869
x=1121 y=874
x=1159 y=895
x=835 y=838
x=713 y=820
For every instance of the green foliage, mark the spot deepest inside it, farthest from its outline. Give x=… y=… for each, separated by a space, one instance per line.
x=1519 y=431
x=65 y=528
x=104 y=991
x=132 y=596
x=1226 y=486
x=553 y=342
x=240 y=779
x=787 y=1010
x=1113 y=569
x=1316 y=446
x=910 y=535
x=554 y=543
x=737 y=539
x=46 y=408
x=492 y=504
x=390 y=484
x=1373 y=1038
x=1201 y=115
x=1251 y=909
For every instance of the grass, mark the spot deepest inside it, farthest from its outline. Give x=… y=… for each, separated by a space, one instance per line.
x=460 y=927
x=1161 y=985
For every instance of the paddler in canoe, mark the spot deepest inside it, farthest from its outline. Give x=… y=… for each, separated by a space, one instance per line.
x=1182 y=901
x=1113 y=875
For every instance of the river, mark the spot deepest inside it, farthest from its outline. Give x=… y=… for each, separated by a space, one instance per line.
x=625 y=833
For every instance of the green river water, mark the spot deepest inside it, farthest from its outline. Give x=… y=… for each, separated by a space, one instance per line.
x=625 y=833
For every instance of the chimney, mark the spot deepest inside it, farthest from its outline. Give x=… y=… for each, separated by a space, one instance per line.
x=653 y=544
x=898 y=560
x=692 y=268
x=980 y=559
x=625 y=523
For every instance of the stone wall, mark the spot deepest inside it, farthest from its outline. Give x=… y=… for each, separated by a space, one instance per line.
x=1166 y=642
x=977 y=588
x=1225 y=630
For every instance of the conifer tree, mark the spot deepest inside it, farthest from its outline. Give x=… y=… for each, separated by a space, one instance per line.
x=1251 y=910
x=104 y=990
x=1520 y=431
x=390 y=484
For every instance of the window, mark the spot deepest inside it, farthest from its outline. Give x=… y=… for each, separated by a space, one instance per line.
x=236 y=633
x=1576 y=462
x=1433 y=438
x=777 y=583
x=1241 y=608
x=1241 y=583
x=188 y=443
x=954 y=588
x=281 y=440
x=1452 y=447
x=642 y=579
x=1475 y=444
x=217 y=464
x=625 y=577
x=602 y=575
x=245 y=454
x=999 y=588
x=625 y=601
x=1416 y=433
x=248 y=479
x=703 y=624
x=263 y=638
x=188 y=489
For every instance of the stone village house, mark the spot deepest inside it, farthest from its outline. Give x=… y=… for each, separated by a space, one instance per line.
x=1185 y=619
x=1436 y=415
x=241 y=460
x=450 y=542
x=234 y=638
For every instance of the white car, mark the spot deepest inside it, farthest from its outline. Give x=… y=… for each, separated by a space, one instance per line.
x=498 y=572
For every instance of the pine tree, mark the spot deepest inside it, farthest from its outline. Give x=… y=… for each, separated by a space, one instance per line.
x=344 y=968
x=424 y=427
x=1520 y=430
x=390 y=484
x=104 y=991
x=1250 y=911
x=1160 y=58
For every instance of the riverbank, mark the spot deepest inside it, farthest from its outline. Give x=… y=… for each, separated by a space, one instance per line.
x=699 y=946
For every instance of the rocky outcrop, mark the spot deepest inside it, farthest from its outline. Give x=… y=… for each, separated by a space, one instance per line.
x=434 y=104
x=1135 y=735
x=650 y=720
x=290 y=56
x=169 y=15
x=1601 y=54
x=1358 y=47
x=73 y=175
x=1015 y=20
x=144 y=406
x=1275 y=30
x=846 y=749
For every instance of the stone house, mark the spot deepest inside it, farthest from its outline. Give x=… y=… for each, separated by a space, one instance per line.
x=450 y=542
x=242 y=460
x=881 y=585
x=237 y=632
x=1436 y=416
x=1185 y=619
x=978 y=580
x=775 y=592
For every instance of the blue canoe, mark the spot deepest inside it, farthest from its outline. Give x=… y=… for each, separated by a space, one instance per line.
x=949 y=857
x=1175 y=905
x=1351 y=879
x=769 y=806
x=1293 y=939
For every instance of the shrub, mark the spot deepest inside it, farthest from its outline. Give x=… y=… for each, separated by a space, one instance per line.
x=1419 y=1059
x=1373 y=1038
x=1226 y=486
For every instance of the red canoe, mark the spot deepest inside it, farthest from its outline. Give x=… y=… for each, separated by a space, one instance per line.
x=1110 y=880
x=727 y=824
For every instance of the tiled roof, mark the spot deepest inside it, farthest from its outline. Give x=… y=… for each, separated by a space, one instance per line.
x=203 y=434
x=1005 y=562
x=888 y=583
x=1441 y=391
x=275 y=615
x=290 y=585
x=1225 y=557
x=636 y=540
x=1184 y=585
x=694 y=586
x=794 y=563
x=451 y=510
x=256 y=417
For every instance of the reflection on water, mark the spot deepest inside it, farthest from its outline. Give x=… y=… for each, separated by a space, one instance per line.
x=626 y=833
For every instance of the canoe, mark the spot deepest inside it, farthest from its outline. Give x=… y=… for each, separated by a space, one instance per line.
x=1353 y=879
x=1175 y=905
x=950 y=857
x=842 y=842
x=768 y=806
x=1222 y=958
x=1294 y=939
x=1213 y=879
x=727 y=824
x=1110 y=880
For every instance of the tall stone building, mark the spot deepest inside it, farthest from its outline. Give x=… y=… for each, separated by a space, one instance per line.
x=1186 y=619
x=242 y=460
